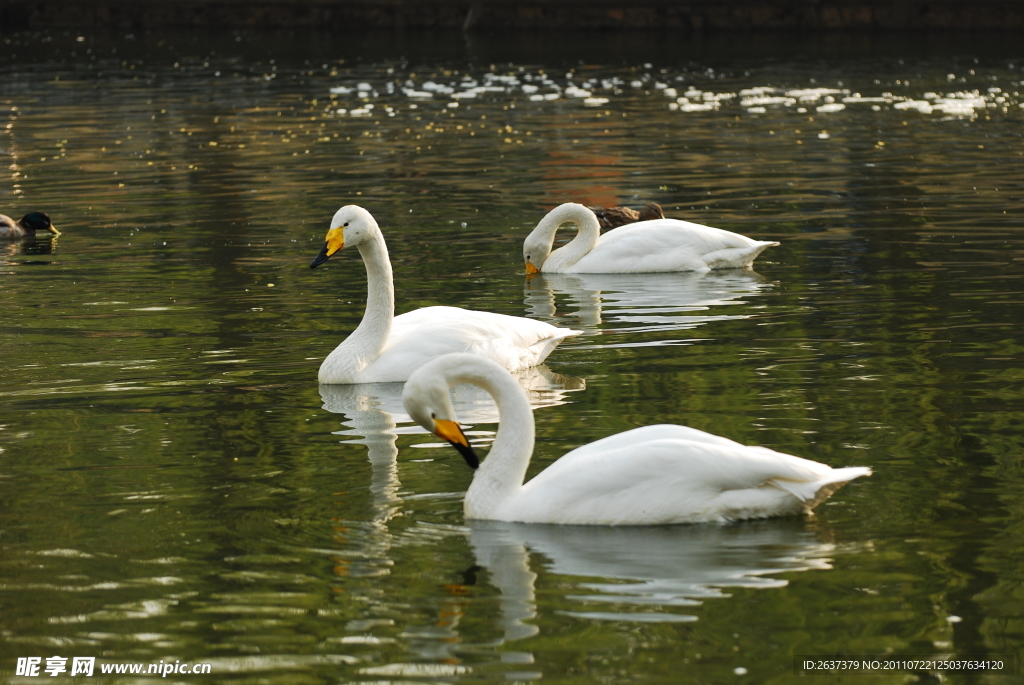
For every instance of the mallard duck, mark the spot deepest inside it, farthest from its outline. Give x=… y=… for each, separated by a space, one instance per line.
x=653 y=475
x=646 y=247
x=28 y=225
x=386 y=348
x=613 y=217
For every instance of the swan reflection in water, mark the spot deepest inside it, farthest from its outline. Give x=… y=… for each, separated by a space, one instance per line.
x=373 y=416
x=659 y=568
x=641 y=303
x=374 y=413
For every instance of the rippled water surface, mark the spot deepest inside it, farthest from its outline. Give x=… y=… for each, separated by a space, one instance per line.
x=175 y=486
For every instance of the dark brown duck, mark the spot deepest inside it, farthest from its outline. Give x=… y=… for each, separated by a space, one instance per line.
x=613 y=217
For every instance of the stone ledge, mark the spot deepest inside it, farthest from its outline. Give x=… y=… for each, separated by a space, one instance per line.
x=483 y=15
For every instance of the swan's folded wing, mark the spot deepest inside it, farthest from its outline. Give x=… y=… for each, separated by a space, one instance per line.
x=668 y=479
x=512 y=341
x=652 y=237
x=669 y=245
x=699 y=458
x=638 y=437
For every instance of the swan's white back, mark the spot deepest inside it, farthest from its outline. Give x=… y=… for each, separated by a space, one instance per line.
x=672 y=474
x=669 y=245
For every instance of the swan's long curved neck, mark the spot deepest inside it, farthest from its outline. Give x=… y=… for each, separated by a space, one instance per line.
x=586 y=237
x=501 y=474
x=368 y=339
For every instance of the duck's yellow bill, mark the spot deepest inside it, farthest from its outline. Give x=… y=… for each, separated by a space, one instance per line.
x=53 y=229
x=530 y=268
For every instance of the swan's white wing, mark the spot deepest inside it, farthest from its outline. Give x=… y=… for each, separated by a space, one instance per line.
x=675 y=233
x=423 y=334
x=668 y=245
x=641 y=436
x=679 y=451
x=673 y=474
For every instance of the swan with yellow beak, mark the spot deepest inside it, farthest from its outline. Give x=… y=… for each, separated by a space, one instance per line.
x=652 y=246
x=654 y=475
x=386 y=348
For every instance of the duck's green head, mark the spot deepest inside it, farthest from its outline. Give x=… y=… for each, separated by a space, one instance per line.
x=35 y=222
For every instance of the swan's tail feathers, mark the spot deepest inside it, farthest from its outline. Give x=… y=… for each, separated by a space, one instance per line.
x=737 y=257
x=564 y=333
x=545 y=346
x=814 y=492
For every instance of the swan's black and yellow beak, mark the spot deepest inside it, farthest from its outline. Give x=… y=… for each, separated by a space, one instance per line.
x=530 y=268
x=450 y=431
x=335 y=241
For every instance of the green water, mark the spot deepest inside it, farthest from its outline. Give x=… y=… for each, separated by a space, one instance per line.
x=175 y=486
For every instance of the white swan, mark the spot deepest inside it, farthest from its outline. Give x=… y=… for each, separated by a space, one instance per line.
x=644 y=247
x=386 y=348
x=652 y=475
